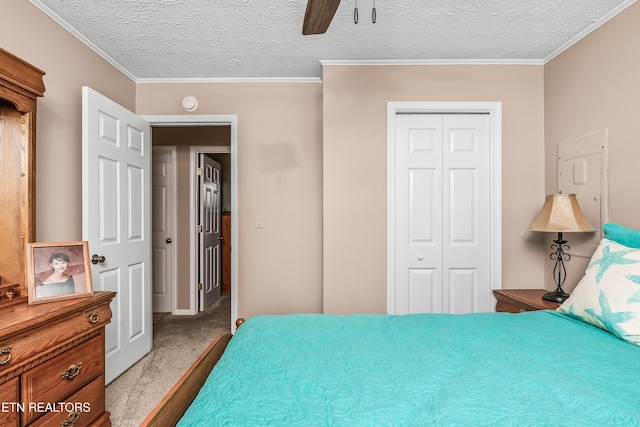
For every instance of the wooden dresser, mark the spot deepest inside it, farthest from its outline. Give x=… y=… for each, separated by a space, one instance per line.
x=52 y=362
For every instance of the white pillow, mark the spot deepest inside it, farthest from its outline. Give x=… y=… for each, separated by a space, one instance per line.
x=608 y=296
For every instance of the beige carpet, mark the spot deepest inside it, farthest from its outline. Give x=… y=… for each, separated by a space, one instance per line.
x=177 y=343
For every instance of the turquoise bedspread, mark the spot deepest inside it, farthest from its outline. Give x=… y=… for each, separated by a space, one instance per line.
x=499 y=369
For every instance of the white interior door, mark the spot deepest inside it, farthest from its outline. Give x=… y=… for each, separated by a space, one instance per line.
x=163 y=184
x=442 y=213
x=116 y=221
x=209 y=233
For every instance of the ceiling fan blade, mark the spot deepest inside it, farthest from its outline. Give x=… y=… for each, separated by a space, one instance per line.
x=318 y=16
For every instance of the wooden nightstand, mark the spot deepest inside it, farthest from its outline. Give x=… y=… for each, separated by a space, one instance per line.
x=519 y=300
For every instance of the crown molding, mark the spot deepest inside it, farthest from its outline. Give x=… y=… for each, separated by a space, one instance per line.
x=231 y=80
x=331 y=62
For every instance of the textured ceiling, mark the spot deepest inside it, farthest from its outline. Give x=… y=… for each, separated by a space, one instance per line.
x=255 y=39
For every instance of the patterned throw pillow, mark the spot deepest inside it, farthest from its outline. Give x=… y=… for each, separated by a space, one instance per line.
x=608 y=296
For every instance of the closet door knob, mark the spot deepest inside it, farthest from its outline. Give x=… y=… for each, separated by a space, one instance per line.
x=420 y=257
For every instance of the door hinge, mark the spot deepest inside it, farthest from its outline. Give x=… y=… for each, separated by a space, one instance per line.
x=199 y=286
x=199 y=229
x=199 y=171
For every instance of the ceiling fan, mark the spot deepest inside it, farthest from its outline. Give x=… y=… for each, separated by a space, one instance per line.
x=318 y=16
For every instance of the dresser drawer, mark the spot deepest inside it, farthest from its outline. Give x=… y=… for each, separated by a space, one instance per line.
x=79 y=410
x=54 y=380
x=19 y=352
x=10 y=409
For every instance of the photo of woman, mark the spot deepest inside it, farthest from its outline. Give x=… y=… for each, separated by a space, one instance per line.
x=58 y=271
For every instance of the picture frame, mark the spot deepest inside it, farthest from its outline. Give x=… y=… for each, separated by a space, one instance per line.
x=58 y=271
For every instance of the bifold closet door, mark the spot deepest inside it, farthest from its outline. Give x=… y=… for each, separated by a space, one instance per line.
x=442 y=211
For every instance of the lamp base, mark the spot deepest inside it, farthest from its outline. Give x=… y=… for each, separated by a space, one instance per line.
x=556 y=296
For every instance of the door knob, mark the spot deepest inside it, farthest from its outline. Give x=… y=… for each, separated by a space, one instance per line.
x=97 y=259
x=420 y=257
x=168 y=240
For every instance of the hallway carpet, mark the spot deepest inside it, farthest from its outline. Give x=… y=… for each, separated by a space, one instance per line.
x=177 y=343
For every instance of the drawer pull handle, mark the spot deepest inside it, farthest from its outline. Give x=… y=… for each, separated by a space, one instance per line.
x=71 y=419
x=72 y=372
x=93 y=317
x=7 y=358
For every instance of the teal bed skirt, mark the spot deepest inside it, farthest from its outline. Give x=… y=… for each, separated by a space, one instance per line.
x=485 y=369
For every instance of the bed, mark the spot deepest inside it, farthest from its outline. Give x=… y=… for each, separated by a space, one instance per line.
x=579 y=365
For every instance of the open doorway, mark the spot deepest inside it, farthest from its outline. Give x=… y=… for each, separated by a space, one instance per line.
x=210 y=134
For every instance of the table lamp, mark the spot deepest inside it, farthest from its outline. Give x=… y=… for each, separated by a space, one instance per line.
x=560 y=213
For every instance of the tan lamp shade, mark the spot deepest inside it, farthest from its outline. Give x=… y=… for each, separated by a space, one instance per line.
x=561 y=213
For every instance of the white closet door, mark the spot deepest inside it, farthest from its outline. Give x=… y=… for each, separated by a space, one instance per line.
x=466 y=212
x=442 y=211
x=419 y=213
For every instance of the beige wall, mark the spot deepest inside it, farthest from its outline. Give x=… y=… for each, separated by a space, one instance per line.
x=69 y=64
x=355 y=138
x=279 y=176
x=596 y=85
